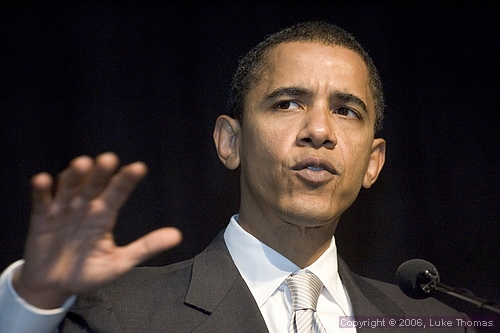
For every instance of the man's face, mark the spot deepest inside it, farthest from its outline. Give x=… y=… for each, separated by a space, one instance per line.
x=307 y=138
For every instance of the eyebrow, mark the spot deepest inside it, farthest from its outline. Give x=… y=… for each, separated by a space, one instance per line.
x=300 y=91
x=288 y=91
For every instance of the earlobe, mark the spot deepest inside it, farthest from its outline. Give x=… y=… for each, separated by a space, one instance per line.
x=226 y=139
x=377 y=160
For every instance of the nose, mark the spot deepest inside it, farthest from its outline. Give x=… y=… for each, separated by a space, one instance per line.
x=318 y=129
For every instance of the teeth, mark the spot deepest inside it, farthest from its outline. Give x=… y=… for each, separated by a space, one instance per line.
x=315 y=168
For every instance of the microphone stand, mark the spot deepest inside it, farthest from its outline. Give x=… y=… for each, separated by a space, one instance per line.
x=434 y=285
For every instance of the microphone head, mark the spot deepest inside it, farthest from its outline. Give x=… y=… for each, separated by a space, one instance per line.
x=415 y=278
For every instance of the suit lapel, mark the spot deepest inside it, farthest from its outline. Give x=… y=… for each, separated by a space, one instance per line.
x=218 y=290
x=366 y=300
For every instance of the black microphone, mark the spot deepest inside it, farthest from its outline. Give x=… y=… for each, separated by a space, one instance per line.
x=420 y=279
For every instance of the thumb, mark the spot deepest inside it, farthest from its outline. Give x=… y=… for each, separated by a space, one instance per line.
x=151 y=244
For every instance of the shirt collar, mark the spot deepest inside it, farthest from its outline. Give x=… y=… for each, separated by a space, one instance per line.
x=264 y=269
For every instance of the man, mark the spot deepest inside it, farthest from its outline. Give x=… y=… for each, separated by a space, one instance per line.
x=306 y=104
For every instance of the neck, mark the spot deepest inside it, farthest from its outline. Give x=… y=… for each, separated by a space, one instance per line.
x=298 y=242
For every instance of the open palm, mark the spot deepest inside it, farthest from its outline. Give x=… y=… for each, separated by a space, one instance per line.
x=70 y=247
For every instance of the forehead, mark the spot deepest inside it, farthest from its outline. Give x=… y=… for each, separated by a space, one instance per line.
x=316 y=66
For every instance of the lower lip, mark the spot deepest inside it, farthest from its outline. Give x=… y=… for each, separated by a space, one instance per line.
x=312 y=176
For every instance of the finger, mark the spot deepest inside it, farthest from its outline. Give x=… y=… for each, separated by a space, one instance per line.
x=150 y=245
x=104 y=167
x=122 y=184
x=70 y=179
x=41 y=193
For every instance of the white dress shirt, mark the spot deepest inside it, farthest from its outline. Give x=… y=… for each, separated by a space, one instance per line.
x=264 y=270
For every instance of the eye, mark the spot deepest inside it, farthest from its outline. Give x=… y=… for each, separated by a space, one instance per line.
x=346 y=112
x=286 y=105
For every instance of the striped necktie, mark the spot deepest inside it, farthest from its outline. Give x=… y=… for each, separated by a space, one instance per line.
x=305 y=289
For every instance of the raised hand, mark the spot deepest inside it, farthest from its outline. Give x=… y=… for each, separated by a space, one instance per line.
x=70 y=247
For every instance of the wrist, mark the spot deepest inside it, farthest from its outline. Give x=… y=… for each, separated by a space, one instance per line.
x=42 y=298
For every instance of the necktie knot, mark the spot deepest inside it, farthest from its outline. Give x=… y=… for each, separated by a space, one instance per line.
x=305 y=289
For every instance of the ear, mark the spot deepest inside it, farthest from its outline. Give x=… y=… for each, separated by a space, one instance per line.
x=226 y=138
x=377 y=160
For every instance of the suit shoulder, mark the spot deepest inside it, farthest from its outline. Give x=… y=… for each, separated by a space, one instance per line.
x=141 y=284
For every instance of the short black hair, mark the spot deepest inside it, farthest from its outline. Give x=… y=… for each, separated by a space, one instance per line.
x=251 y=65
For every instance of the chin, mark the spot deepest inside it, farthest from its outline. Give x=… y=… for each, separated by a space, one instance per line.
x=312 y=217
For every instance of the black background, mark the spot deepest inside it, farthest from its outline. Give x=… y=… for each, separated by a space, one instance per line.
x=147 y=80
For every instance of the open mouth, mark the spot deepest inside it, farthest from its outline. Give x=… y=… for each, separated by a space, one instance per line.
x=315 y=164
x=315 y=168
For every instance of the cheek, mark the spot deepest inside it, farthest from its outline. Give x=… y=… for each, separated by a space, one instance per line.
x=356 y=161
x=266 y=144
x=265 y=157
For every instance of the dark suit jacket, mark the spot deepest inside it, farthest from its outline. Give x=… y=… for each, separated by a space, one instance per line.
x=207 y=294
